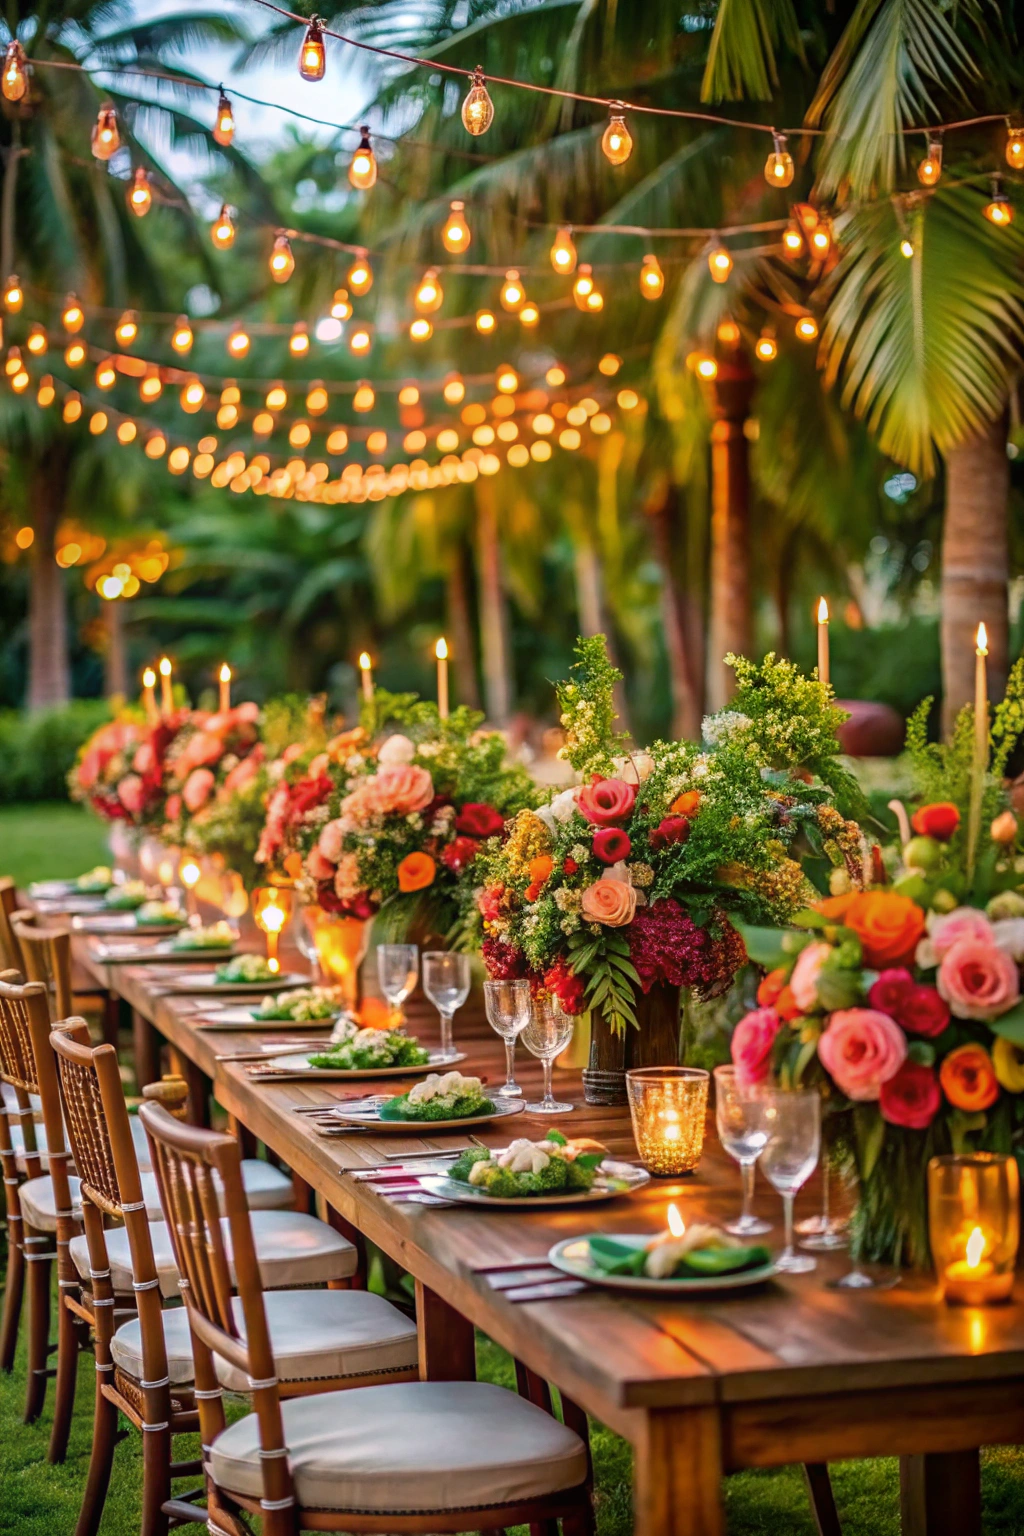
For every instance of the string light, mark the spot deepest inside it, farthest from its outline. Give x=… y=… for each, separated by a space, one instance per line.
x=46 y=393
x=485 y=322
x=998 y=211
x=12 y=363
x=193 y=396
x=719 y=264
x=429 y=295
x=127 y=328
x=151 y=385
x=793 y=240
x=313 y=54
x=455 y=237
x=421 y=329
x=177 y=460
x=14 y=294
x=277 y=398
x=454 y=389
x=341 y=309
x=477 y=108
x=821 y=236
x=361 y=341
x=98 y=422
x=609 y=365
x=513 y=293
x=766 y=348
x=282 y=262
x=299 y=434
x=155 y=446
x=140 y=193
x=583 y=287
x=72 y=407
x=238 y=342
x=617 y=141
x=1015 y=146
x=72 y=315
x=74 y=355
x=360 y=278
x=778 y=168
x=15 y=78
x=298 y=341
x=181 y=336
x=222 y=230
x=555 y=376
x=807 y=328
x=37 y=341
x=337 y=441
x=906 y=248
x=127 y=432
x=317 y=399
x=563 y=251
x=106 y=139
x=652 y=278
x=706 y=368
x=364 y=398
x=529 y=314
x=362 y=172
x=728 y=333
x=506 y=379
x=224 y=123
x=930 y=168
x=409 y=395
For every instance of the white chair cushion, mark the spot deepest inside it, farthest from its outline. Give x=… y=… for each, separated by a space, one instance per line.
x=39 y=1204
x=314 y=1334
x=266 y=1187
x=292 y=1250
x=17 y=1135
x=417 y=1447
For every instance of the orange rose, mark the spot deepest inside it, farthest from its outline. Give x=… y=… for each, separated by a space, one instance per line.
x=786 y=1005
x=968 y=1078
x=611 y=902
x=835 y=908
x=687 y=804
x=416 y=872
x=771 y=986
x=540 y=868
x=887 y=925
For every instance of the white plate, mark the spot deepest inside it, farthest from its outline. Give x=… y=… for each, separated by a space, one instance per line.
x=124 y=922
x=468 y=1194
x=164 y=950
x=244 y=1017
x=70 y=906
x=572 y=1257
x=53 y=890
x=373 y=1121
x=206 y=984
x=295 y=1064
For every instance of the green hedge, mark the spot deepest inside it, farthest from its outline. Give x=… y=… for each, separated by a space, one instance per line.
x=37 y=750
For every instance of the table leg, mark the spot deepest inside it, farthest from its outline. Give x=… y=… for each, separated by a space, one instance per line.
x=447 y=1344
x=198 y=1088
x=677 y=1474
x=940 y=1495
x=146 y=1042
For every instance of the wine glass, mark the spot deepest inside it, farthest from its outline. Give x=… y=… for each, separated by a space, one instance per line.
x=743 y=1136
x=546 y=1036
x=446 y=983
x=856 y=1277
x=397 y=972
x=508 y=1013
x=823 y=1233
x=791 y=1120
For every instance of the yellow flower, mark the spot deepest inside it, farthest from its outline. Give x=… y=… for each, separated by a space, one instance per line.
x=528 y=839
x=1008 y=1061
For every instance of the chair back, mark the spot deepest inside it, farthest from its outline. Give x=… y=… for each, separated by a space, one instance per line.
x=47 y=956
x=10 y=949
x=25 y=1033
x=17 y=1059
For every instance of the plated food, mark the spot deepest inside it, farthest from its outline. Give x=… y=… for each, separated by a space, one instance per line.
x=556 y=1171
x=698 y=1257
x=94 y=882
x=441 y=1096
x=158 y=914
x=365 y=1048
x=250 y=969
x=307 y=1005
x=126 y=897
x=219 y=935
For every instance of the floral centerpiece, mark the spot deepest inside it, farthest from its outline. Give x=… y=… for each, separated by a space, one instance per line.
x=209 y=752
x=902 y=1001
x=619 y=892
x=122 y=770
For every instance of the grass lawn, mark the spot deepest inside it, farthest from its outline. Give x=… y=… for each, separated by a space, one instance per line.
x=48 y=840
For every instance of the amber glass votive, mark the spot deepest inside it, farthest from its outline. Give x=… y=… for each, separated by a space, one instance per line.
x=974 y=1224
x=668 y=1106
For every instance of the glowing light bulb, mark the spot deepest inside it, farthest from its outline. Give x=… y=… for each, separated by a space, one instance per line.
x=300 y=434
x=360 y=278
x=127 y=433
x=298 y=341
x=364 y=398
x=313 y=54
x=106 y=374
x=610 y=364
x=507 y=380
x=151 y=385
x=792 y=240
x=72 y=407
x=617 y=141
x=74 y=355
x=485 y=322
x=15 y=76
x=563 y=251
x=106 y=139
x=429 y=295
x=192 y=396
x=20 y=381
x=140 y=193
x=455 y=237
x=14 y=294
x=282 y=262
x=652 y=278
x=595 y=301
x=807 y=328
x=1015 y=146
x=181 y=336
x=766 y=348
x=37 y=341
x=317 y=399
x=821 y=237
x=454 y=390
x=12 y=362
x=719 y=264
x=72 y=315
x=778 y=168
x=222 y=230
x=127 y=328
x=238 y=342
x=513 y=294
x=930 y=168
x=361 y=341
x=156 y=446
x=906 y=248
x=421 y=329
x=277 y=397
x=224 y=123
x=478 y=108
x=998 y=211
x=706 y=368
x=362 y=171
x=529 y=314
x=583 y=287
x=341 y=309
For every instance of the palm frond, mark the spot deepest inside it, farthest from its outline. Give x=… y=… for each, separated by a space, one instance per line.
x=741 y=59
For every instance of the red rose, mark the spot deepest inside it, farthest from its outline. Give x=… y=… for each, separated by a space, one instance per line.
x=611 y=844
x=460 y=852
x=672 y=829
x=478 y=820
x=924 y=1012
x=938 y=820
x=607 y=801
x=891 y=990
x=911 y=1097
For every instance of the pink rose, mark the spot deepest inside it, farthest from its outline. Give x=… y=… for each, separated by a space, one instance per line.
x=610 y=902
x=89 y=768
x=402 y=789
x=751 y=1045
x=144 y=760
x=978 y=980
x=197 y=789
x=129 y=792
x=944 y=932
x=204 y=748
x=330 y=842
x=861 y=1049
x=318 y=867
x=607 y=801
x=243 y=773
x=804 y=981
x=172 y=810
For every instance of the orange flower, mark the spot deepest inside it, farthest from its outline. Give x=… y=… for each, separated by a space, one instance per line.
x=968 y=1078
x=888 y=926
x=771 y=986
x=540 y=868
x=293 y=865
x=687 y=804
x=835 y=908
x=786 y=1005
x=416 y=872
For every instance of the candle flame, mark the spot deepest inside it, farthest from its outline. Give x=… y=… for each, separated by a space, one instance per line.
x=271 y=919
x=981 y=640
x=225 y=673
x=165 y=666
x=190 y=873
x=822 y=611
x=364 y=661
x=441 y=649
x=148 y=678
x=975 y=1248
x=273 y=964
x=676 y=1224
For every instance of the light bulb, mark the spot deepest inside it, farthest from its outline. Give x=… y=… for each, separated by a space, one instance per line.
x=74 y=355
x=238 y=342
x=46 y=394
x=156 y=445
x=313 y=54
x=907 y=248
x=485 y=322
x=728 y=333
x=361 y=341
x=341 y=309
x=807 y=328
x=617 y=142
x=821 y=237
x=706 y=368
x=998 y=211
x=595 y=301
x=360 y=278
x=151 y=385
x=420 y=329
x=72 y=315
x=583 y=287
x=317 y=399
x=652 y=278
x=106 y=374
x=610 y=364
x=563 y=251
x=930 y=168
x=792 y=240
x=766 y=348
x=337 y=441
x=299 y=434
x=127 y=432
x=192 y=396
x=140 y=193
x=72 y=407
x=478 y=108
x=15 y=77
x=37 y=341
x=507 y=380
x=429 y=295
x=12 y=363
x=1015 y=146
x=362 y=172
x=364 y=398
x=127 y=328
x=181 y=336
x=282 y=262
x=454 y=389
x=512 y=291
x=14 y=294
x=298 y=341
x=719 y=264
x=222 y=230
x=529 y=314
x=224 y=124
x=409 y=395
x=277 y=398
x=455 y=236
x=105 y=138
x=778 y=168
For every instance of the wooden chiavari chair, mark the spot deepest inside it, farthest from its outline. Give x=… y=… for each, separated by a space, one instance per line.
x=421 y=1456
x=10 y=950
x=46 y=953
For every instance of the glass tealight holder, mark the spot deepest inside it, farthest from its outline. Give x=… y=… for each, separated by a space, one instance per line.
x=668 y=1106
x=974 y=1225
x=272 y=907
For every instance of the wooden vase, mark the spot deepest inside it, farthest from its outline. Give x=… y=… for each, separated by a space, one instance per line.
x=655 y=1043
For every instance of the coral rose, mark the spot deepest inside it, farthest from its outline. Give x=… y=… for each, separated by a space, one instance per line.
x=398 y=749
x=318 y=867
x=968 y=1078
x=607 y=801
x=978 y=980
x=860 y=1050
x=332 y=835
x=939 y=820
x=911 y=1097
x=803 y=983
x=771 y=986
x=751 y=1045
x=478 y=820
x=130 y=793
x=197 y=789
x=686 y=804
x=786 y=1005
x=887 y=924
x=401 y=790
x=416 y=872
x=611 y=844
x=944 y=932
x=610 y=902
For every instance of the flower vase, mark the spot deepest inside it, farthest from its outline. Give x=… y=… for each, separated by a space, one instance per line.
x=654 y=1043
x=338 y=945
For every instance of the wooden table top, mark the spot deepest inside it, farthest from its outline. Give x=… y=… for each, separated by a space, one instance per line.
x=615 y=1354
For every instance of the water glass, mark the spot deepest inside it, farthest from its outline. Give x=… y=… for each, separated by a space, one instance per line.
x=446 y=983
x=508 y=1013
x=742 y=1134
x=546 y=1036
x=791 y=1120
x=397 y=972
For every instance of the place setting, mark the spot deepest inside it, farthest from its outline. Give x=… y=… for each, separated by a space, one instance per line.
x=187 y=941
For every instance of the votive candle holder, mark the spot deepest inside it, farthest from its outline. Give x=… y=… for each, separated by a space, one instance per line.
x=668 y=1106
x=974 y=1225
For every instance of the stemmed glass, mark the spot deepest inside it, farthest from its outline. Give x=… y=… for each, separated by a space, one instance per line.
x=823 y=1233
x=508 y=1013
x=791 y=1120
x=858 y=1279
x=546 y=1036
x=446 y=983
x=397 y=972
x=742 y=1134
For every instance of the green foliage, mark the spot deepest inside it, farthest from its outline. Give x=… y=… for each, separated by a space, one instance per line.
x=611 y=978
x=587 y=710
x=37 y=751
x=741 y=59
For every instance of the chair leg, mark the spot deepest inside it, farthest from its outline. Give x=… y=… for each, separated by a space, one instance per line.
x=37 y=1245
x=101 y=1459
x=823 y=1504
x=67 y=1375
x=13 y=1292
x=156 y=1480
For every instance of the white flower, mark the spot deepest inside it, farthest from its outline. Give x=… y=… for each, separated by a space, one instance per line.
x=397 y=749
x=558 y=810
x=431 y=748
x=580 y=852
x=414 y=820
x=1009 y=935
x=717 y=728
x=635 y=768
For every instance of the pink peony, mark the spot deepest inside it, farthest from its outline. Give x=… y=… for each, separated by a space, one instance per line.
x=130 y=793
x=197 y=789
x=804 y=981
x=861 y=1049
x=978 y=980
x=610 y=902
x=331 y=838
x=751 y=1046
x=944 y=932
x=606 y=802
x=400 y=790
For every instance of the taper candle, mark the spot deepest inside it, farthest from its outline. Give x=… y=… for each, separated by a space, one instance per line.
x=823 y=668
x=166 y=698
x=366 y=668
x=225 y=688
x=981 y=697
x=149 y=695
x=441 y=652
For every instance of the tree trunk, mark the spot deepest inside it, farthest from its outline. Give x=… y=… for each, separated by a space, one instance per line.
x=662 y=518
x=494 y=639
x=730 y=627
x=49 y=682
x=460 y=621
x=115 y=662
x=975 y=566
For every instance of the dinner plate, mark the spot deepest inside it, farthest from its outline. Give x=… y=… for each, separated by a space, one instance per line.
x=205 y=983
x=54 y=890
x=295 y=1064
x=244 y=1017
x=373 y=1121
x=164 y=950
x=124 y=922
x=572 y=1257
x=468 y=1194
x=69 y=906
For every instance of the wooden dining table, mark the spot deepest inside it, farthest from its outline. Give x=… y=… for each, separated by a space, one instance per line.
x=786 y=1372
